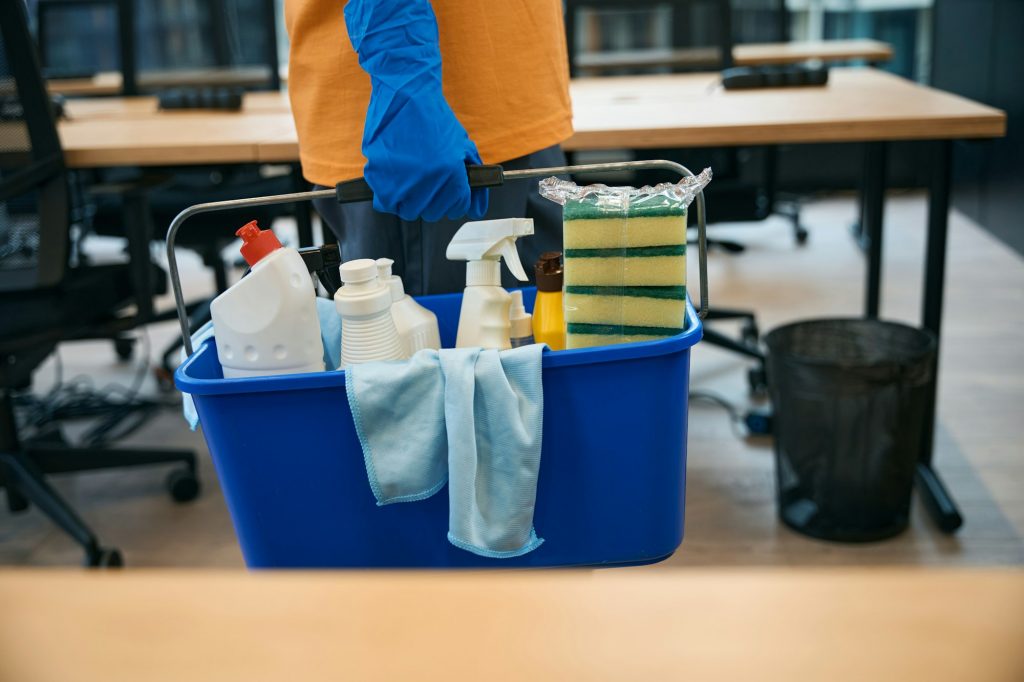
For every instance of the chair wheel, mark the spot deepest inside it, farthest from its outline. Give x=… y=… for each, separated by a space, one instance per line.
x=183 y=485
x=801 y=235
x=757 y=379
x=759 y=422
x=105 y=557
x=125 y=348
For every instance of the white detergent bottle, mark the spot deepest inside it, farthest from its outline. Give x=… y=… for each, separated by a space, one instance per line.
x=364 y=303
x=267 y=323
x=484 y=318
x=417 y=326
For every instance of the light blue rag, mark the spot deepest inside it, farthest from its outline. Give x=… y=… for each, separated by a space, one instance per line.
x=470 y=416
x=330 y=335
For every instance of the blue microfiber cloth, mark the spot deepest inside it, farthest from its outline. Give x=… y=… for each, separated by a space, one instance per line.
x=398 y=410
x=330 y=332
x=471 y=416
x=330 y=335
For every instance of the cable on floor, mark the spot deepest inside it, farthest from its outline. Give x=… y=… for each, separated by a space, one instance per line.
x=121 y=410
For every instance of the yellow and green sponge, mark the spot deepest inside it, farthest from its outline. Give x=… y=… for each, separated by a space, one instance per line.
x=625 y=270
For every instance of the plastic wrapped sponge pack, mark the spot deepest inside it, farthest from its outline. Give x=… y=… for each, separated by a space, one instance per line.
x=625 y=259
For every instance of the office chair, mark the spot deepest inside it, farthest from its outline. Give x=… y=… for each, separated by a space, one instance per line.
x=236 y=34
x=45 y=299
x=208 y=235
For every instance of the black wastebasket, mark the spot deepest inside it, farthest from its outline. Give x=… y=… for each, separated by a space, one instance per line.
x=849 y=398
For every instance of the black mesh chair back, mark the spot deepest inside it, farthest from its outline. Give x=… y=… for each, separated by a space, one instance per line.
x=699 y=32
x=760 y=21
x=148 y=40
x=33 y=182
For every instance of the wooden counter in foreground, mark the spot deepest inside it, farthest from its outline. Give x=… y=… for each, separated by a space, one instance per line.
x=625 y=624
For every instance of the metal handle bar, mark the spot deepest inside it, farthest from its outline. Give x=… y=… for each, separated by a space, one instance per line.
x=484 y=176
x=479 y=175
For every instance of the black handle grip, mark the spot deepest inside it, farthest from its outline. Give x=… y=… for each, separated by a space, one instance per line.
x=483 y=175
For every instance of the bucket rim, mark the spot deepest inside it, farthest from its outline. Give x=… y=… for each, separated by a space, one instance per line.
x=193 y=385
x=929 y=348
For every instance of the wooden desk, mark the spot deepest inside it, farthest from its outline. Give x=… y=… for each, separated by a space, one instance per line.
x=693 y=110
x=756 y=54
x=183 y=138
x=617 y=624
x=684 y=110
x=145 y=106
x=109 y=82
x=749 y=54
x=133 y=131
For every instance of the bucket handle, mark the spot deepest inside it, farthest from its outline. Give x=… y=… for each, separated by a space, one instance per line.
x=480 y=176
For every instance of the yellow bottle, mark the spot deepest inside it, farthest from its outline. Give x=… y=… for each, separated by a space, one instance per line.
x=548 y=317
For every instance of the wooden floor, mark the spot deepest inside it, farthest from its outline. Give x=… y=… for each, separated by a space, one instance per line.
x=730 y=496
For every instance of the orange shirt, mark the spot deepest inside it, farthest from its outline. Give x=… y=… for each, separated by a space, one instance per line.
x=504 y=71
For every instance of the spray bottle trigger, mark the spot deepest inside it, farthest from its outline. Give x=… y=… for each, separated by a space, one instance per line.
x=511 y=256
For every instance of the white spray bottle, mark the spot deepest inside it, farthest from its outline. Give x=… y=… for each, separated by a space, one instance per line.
x=484 y=318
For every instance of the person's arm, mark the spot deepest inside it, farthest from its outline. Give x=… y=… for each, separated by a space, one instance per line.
x=416 y=150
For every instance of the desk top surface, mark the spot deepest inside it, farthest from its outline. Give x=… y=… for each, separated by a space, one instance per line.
x=109 y=82
x=764 y=624
x=751 y=54
x=745 y=54
x=683 y=110
x=693 y=110
x=129 y=131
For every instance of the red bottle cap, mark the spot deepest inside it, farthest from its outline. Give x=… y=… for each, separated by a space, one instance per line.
x=256 y=243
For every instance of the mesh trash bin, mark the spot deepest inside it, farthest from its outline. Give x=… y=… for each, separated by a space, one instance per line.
x=849 y=398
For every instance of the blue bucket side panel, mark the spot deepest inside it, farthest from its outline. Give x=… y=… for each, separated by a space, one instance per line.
x=610 y=489
x=612 y=474
x=611 y=485
x=297 y=488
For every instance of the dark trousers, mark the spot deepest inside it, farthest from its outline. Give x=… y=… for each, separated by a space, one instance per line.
x=418 y=248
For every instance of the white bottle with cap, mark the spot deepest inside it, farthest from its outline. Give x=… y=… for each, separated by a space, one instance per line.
x=484 y=318
x=417 y=326
x=520 y=322
x=364 y=303
x=266 y=323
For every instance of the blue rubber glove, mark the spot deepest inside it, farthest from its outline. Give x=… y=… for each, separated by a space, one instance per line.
x=416 y=150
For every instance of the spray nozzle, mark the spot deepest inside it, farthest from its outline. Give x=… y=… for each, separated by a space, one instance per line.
x=490 y=240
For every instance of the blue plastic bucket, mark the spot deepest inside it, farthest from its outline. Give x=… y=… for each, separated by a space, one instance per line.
x=612 y=474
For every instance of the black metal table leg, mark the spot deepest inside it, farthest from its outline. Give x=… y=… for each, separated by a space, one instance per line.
x=303 y=209
x=936 y=499
x=933 y=493
x=857 y=229
x=873 y=193
x=126 y=38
